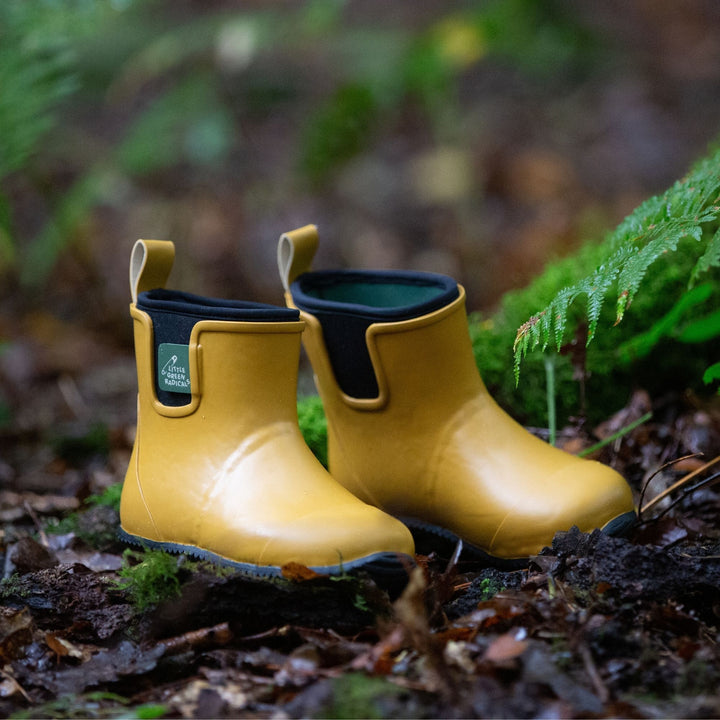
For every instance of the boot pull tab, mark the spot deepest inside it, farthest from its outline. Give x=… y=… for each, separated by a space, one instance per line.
x=150 y=264
x=296 y=250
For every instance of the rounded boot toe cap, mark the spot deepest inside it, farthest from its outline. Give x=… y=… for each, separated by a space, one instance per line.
x=588 y=495
x=331 y=542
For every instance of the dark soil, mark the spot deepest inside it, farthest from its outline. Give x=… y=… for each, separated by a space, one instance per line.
x=595 y=626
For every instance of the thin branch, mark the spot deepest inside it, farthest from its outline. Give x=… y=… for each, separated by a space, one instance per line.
x=620 y=433
x=655 y=473
x=707 y=481
x=680 y=483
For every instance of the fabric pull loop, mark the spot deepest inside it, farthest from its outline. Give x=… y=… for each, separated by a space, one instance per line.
x=150 y=264
x=296 y=250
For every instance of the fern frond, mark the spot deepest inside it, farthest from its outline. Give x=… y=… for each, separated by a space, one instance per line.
x=663 y=239
x=710 y=258
x=598 y=287
x=655 y=229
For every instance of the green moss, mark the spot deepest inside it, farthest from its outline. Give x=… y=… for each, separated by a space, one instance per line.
x=358 y=696
x=613 y=373
x=149 y=576
x=489 y=588
x=109 y=497
x=313 y=426
x=12 y=586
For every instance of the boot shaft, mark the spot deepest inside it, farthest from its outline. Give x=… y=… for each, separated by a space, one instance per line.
x=246 y=371
x=408 y=326
x=218 y=358
x=416 y=363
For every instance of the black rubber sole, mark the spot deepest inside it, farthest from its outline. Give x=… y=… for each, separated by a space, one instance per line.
x=433 y=538
x=620 y=525
x=388 y=570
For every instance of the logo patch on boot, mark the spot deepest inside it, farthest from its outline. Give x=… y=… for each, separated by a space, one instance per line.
x=174 y=368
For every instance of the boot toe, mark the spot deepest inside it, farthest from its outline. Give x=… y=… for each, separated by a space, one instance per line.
x=585 y=494
x=349 y=538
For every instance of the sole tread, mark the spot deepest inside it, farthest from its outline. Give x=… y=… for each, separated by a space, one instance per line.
x=443 y=541
x=384 y=567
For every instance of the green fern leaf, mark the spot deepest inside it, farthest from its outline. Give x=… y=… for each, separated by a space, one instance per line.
x=560 y=310
x=710 y=258
x=665 y=239
x=655 y=229
x=598 y=288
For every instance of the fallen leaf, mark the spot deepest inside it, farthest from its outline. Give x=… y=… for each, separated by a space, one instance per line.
x=107 y=666
x=458 y=653
x=64 y=648
x=296 y=572
x=15 y=632
x=505 y=647
x=538 y=667
x=201 y=699
x=215 y=636
x=28 y=555
x=9 y=686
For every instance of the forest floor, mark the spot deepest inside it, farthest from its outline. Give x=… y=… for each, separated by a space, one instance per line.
x=594 y=626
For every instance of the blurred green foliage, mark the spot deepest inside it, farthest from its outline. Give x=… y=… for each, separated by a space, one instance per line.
x=339 y=130
x=712 y=374
x=97 y=704
x=39 y=73
x=184 y=82
x=36 y=73
x=76 y=445
x=188 y=122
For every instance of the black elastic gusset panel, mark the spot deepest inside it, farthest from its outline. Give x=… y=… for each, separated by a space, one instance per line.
x=347 y=302
x=174 y=314
x=207 y=308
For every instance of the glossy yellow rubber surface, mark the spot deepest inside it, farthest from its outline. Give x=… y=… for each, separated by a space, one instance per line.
x=229 y=474
x=435 y=447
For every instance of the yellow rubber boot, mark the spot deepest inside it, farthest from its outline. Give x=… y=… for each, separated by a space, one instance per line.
x=411 y=426
x=219 y=468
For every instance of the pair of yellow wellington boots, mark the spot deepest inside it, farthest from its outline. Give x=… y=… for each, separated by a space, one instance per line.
x=220 y=470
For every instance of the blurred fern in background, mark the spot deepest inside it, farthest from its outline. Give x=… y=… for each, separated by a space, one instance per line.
x=35 y=76
x=183 y=82
x=38 y=73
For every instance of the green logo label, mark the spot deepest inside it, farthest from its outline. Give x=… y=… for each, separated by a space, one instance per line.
x=174 y=368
